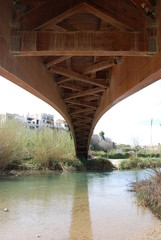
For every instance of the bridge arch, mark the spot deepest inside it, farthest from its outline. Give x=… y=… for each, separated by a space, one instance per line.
x=81 y=57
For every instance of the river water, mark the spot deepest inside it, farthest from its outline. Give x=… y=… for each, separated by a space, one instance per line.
x=72 y=206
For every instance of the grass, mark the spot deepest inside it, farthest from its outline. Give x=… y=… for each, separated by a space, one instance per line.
x=149 y=192
x=39 y=149
x=140 y=163
x=51 y=147
x=12 y=144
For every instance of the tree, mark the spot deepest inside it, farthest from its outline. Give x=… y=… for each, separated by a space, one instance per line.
x=95 y=141
x=136 y=145
x=102 y=135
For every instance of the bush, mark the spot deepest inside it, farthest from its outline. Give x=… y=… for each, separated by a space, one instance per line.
x=51 y=147
x=99 y=165
x=12 y=144
x=119 y=155
x=149 y=192
x=139 y=163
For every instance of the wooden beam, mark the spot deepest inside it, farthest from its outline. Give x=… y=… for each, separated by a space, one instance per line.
x=81 y=43
x=49 y=13
x=55 y=61
x=98 y=67
x=63 y=79
x=81 y=117
x=73 y=107
x=78 y=124
x=71 y=86
x=82 y=111
x=82 y=121
x=117 y=13
x=78 y=76
x=91 y=98
x=82 y=103
x=83 y=93
x=145 y=6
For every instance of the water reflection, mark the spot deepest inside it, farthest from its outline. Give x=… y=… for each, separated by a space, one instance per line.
x=72 y=206
x=81 y=221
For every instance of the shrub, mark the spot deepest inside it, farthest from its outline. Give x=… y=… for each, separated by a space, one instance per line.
x=140 y=163
x=119 y=155
x=99 y=165
x=52 y=146
x=12 y=144
x=149 y=192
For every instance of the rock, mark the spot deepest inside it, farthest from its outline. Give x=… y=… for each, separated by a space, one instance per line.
x=13 y=172
x=5 y=210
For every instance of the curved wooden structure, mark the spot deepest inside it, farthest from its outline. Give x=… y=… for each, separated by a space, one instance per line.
x=81 y=56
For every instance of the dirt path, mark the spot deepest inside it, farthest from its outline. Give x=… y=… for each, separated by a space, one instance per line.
x=116 y=162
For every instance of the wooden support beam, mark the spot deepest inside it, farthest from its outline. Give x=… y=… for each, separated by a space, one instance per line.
x=49 y=13
x=81 y=117
x=81 y=130
x=83 y=93
x=71 y=86
x=55 y=61
x=117 y=13
x=73 y=107
x=62 y=80
x=80 y=124
x=82 y=43
x=81 y=121
x=91 y=98
x=145 y=6
x=81 y=111
x=78 y=76
x=98 y=67
x=82 y=103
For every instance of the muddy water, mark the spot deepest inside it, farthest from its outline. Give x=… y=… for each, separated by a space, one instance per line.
x=85 y=206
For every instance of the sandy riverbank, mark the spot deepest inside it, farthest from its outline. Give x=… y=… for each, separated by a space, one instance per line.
x=153 y=233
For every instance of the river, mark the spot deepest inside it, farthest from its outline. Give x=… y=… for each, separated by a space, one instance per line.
x=73 y=206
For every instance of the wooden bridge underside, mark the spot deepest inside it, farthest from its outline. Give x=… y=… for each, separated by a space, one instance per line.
x=81 y=57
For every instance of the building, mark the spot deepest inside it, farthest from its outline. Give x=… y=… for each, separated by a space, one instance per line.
x=40 y=121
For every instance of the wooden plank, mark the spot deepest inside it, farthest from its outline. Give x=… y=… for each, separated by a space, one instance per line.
x=79 y=77
x=49 y=13
x=83 y=93
x=80 y=43
x=98 y=67
x=118 y=13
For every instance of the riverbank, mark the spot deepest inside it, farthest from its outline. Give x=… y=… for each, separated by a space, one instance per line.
x=153 y=233
x=149 y=192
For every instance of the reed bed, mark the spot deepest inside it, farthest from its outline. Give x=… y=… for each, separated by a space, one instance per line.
x=149 y=192
x=44 y=148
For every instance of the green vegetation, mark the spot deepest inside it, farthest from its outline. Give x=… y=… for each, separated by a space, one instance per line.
x=149 y=192
x=42 y=149
x=130 y=157
x=12 y=144
x=35 y=149
x=140 y=163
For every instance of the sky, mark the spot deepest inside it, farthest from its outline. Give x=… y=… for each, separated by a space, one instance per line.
x=128 y=121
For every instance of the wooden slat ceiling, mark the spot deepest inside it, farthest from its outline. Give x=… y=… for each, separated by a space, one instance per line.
x=80 y=42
